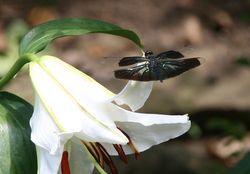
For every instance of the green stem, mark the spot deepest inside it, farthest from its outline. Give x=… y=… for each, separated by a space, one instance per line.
x=16 y=68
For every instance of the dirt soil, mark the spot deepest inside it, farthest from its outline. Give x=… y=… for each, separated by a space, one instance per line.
x=217 y=34
x=217 y=31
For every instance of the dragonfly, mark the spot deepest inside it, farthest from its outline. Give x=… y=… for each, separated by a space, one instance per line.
x=152 y=67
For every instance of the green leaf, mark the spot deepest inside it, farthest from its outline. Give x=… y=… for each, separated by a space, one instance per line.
x=244 y=61
x=40 y=36
x=17 y=152
x=242 y=167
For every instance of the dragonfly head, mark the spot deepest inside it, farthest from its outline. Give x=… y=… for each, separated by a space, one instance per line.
x=148 y=53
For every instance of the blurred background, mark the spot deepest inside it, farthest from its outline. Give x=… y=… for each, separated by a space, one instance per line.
x=216 y=94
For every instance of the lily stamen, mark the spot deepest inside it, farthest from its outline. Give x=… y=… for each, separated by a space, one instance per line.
x=98 y=152
x=131 y=145
x=65 y=163
x=107 y=159
x=121 y=153
x=92 y=150
x=136 y=152
x=102 y=156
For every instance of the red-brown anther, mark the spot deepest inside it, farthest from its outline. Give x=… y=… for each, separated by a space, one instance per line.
x=91 y=151
x=65 y=163
x=107 y=159
x=131 y=145
x=99 y=154
x=121 y=153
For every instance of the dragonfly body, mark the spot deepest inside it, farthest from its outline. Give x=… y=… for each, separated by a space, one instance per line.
x=151 y=68
x=155 y=67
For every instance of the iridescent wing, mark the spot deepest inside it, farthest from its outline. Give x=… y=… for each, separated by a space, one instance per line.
x=137 y=59
x=125 y=61
x=170 y=54
x=138 y=73
x=167 y=68
x=163 y=66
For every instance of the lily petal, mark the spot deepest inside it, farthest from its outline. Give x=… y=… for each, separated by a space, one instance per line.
x=70 y=114
x=80 y=163
x=134 y=94
x=47 y=163
x=146 y=130
x=46 y=137
x=74 y=80
x=144 y=137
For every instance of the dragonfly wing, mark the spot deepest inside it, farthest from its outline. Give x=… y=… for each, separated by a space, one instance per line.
x=172 y=67
x=138 y=73
x=125 y=61
x=170 y=54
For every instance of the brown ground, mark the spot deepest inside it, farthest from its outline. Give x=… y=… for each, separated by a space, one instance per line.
x=216 y=31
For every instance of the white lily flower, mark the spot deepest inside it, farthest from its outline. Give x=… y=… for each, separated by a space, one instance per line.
x=76 y=114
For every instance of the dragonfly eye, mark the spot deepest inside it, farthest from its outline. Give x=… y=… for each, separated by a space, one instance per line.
x=148 y=53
